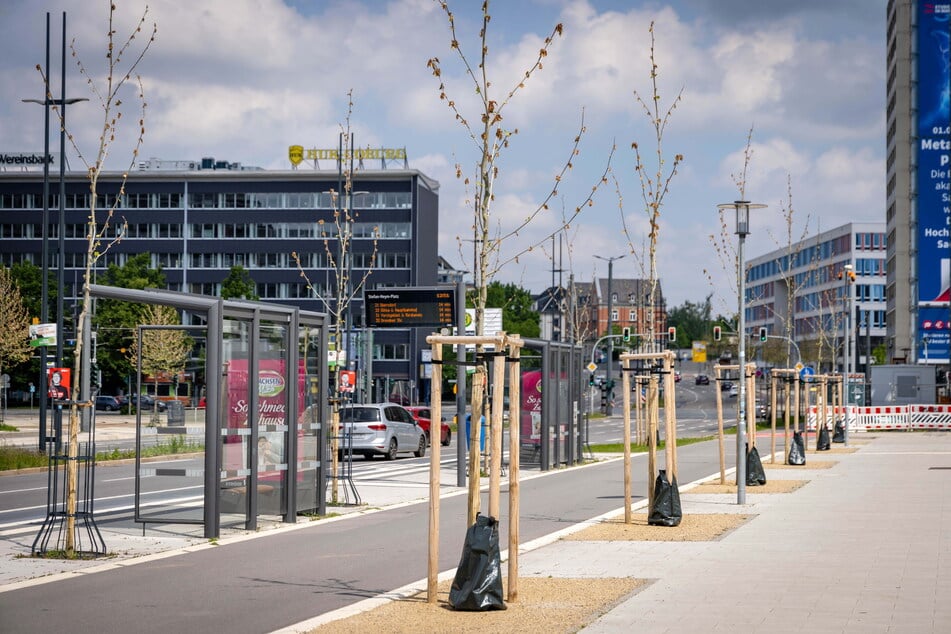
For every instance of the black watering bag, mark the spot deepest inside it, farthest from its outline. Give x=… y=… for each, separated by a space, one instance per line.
x=822 y=439
x=665 y=510
x=755 y=475
x=478 y=582
x=797 y=450
x=839 y=435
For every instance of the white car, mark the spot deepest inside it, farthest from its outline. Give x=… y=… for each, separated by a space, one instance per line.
x=734 y=391
x=380 y=429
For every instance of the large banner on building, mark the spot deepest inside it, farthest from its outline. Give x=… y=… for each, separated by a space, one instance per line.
x=934 y=191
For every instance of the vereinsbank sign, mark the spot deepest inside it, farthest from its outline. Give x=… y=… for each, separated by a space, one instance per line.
x=26 y=159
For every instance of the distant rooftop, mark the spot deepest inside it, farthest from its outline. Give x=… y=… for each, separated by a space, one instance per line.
x=207 y=163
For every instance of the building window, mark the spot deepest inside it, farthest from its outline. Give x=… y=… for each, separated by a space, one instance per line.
x=391 y=351
x=614 y=314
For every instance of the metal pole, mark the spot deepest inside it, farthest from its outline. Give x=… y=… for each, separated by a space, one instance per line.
x=460 y=384
x=44 y=293
x=848 y=350
x=741 y=393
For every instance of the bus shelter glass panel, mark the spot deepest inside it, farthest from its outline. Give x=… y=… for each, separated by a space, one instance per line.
x=235 y=419
x=274 y=392
x=310 y=420
x=176 y=425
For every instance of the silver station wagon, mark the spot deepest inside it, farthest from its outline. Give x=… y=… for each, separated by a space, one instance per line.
x=380 y=429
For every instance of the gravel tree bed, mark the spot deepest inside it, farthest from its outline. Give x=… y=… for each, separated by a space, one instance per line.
x=545 y=605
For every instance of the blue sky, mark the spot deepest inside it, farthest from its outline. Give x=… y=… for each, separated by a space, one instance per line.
x=242 y=80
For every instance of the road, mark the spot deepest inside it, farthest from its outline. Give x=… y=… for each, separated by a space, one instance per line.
x=277 y=580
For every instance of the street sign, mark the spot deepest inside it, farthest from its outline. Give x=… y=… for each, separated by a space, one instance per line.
x=410 y=307
x=592 y=367
x=806 y=373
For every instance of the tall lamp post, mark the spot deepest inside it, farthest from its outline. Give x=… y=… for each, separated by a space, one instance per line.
x=46 y=102
x=847 y=347
x=608 y=409
x=742 y=208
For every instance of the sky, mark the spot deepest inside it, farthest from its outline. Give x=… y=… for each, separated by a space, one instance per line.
x=241 y=80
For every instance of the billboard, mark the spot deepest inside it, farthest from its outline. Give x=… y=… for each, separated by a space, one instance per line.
x=933 y=190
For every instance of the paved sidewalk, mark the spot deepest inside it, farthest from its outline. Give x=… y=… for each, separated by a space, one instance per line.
x=864 y=546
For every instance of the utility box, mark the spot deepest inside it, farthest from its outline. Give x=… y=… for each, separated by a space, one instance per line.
x=903 y=385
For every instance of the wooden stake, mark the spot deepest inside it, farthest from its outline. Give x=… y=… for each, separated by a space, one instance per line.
x=772 y=418
x=719 y=399
x=651 y=439
x=626 y=438
x=495 y=453
x=475 y=425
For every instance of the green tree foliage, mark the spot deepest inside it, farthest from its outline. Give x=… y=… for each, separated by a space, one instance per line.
x=164 y=352
x=29 y=278
x=692 y=321
x=116 y=320
x=239 y=285
x=14 y=323
x=518 y=317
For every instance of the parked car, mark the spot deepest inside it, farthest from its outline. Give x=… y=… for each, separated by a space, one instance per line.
x=423 y=416
x=381 y=429
x=677 y=376
x=762 y=411
x=702 y=379
x=107 y=404
x=734 y=391
x=726 y=386
x=147 y=403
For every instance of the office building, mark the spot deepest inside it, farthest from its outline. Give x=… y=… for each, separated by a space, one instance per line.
x=197 y=219
x=800 y=292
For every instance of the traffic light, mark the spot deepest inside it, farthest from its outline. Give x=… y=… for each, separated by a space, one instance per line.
x=672 y=334
x=716 y=333
x=591 y=380
x=626 y=334
x=762 y=333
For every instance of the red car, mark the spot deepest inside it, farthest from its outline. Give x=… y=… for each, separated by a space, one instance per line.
x=423 y=415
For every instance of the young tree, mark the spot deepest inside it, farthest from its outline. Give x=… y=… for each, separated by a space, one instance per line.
x=338 y=243
x=163 y=353
x=109 y=95
x=14 y=323
x=654 y=180
x=490 y=136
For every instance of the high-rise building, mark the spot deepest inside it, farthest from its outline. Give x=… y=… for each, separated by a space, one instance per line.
x=917 y=190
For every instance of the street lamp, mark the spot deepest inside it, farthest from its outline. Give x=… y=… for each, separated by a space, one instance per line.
x=608 y=410
x=46 y=102
x=847 y=349
x=742 y=209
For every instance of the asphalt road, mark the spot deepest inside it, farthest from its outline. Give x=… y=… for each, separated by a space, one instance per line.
x=277 y=580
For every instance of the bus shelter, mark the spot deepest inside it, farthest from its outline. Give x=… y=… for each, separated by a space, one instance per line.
x=263 y=425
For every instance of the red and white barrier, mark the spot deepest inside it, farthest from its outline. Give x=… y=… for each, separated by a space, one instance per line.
x=889 y=417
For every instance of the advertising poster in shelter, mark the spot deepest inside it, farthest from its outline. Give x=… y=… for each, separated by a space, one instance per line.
x=531 y=407
x=272 y=408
